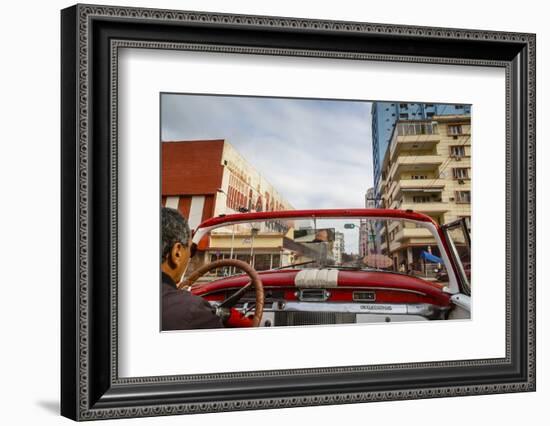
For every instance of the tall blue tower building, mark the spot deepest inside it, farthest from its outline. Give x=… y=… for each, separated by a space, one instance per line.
x=386 y=114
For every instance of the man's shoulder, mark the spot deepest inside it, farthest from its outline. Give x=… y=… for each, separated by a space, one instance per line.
x=194 y=300
x=183 y=295
x=182 y=310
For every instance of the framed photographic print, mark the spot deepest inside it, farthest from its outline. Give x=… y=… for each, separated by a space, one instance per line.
x=263 y=212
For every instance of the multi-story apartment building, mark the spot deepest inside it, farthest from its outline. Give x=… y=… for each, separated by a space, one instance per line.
x=426 y=169
x=366 y=228
x=386 y=114
x=339 y=247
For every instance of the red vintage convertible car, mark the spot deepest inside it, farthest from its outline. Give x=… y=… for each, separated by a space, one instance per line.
x=310 y=267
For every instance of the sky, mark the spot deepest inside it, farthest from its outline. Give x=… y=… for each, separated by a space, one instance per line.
x=317 y=153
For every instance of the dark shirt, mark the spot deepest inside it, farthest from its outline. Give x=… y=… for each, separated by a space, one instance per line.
x=182 y=310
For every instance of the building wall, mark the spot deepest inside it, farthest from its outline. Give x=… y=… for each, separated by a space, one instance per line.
x=191 y=175
x=191 y=167
x=420 y=173
x=386 y=114
x=339 y=247
x=245 y=187
x=206 y=178
x=244 y=241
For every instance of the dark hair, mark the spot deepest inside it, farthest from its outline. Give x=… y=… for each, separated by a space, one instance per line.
x=174 y=230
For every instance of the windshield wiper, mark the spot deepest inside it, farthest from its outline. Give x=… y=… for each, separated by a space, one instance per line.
x=294 y=264
x=347 y=267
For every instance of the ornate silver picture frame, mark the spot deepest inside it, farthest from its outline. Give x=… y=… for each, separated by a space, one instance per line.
x=91 y=37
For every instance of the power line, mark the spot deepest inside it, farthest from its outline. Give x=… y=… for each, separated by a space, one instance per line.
x=425 y=121
x=418 y=136
x=446 y=163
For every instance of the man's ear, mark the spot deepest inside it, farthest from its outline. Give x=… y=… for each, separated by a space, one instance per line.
x=176 y=254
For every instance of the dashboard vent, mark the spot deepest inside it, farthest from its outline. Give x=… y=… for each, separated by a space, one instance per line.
x=313 y=295
x=364 y=296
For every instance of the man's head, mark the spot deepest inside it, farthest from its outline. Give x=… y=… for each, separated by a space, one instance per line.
x=321 y=235
x=176 y=244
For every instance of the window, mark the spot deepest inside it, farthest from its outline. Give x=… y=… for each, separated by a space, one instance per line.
x=454 y=129
x=459 y=106
x=262 y=262
x=403 y=106
x=458 y=151
x=416 y=128
x=461 y=173
x=430 y=114
x=419 y=177
x=421 y=199
x=462 y=197
x=403 y=115
x=244 y=257
x=276 y=262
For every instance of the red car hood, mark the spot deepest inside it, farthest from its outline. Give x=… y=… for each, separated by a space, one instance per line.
x=345 y=278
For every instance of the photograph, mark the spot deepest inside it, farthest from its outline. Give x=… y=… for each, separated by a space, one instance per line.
x=310 y=182
x=279 y=211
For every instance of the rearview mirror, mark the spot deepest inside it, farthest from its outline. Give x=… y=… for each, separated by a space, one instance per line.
x=321 y=235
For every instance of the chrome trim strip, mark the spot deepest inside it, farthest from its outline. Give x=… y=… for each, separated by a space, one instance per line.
x=423 y=309
x=292 y=287
x=401 y=290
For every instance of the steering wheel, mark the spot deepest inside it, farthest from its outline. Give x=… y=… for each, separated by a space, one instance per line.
x=255 y=281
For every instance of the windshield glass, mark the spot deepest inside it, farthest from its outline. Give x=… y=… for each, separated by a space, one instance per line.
x=458 y=236
x=398 y=246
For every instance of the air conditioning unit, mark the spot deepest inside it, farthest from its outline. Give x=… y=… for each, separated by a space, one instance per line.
x=461 y=181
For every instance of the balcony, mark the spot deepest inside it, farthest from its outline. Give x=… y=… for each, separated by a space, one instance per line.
x=420 y=185
x=407 y=233
x=428 y=208
x=413 y=144
x=417 y=235
x=414 y=163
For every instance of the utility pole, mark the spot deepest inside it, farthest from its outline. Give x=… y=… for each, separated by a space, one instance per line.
x=254 y=232
x=385 y=223
x=386 y=227
x=373 y=237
